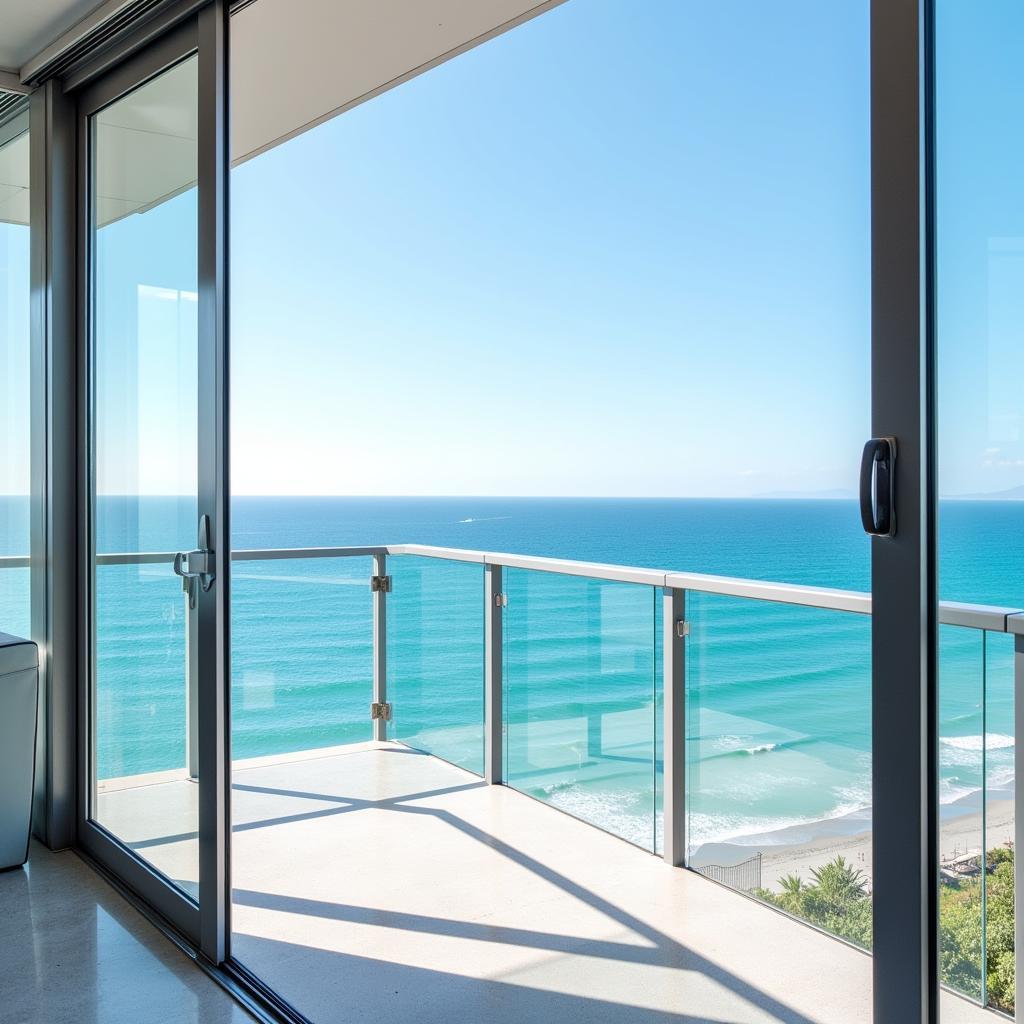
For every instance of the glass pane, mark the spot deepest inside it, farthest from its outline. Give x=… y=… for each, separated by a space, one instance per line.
x=778 y=747
x=979 y=231
x=144 y=465
x=580 y=678
x=435 y=652
x=961 y=799
x=302 y=655
x=562 y=285
x=14 y=379
x=1000 y=820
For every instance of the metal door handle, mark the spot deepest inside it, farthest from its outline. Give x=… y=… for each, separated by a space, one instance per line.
x=198 y=564
x=195 y=565
x=877 y=486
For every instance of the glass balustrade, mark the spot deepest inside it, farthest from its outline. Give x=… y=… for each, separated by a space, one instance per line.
x=777 y=718
x=778 y=756
x=297 y=686
x=141 y=731
x=1000 y=820
x=581 y=678
x=15 y=599
x=435 y=656
x=961 y=808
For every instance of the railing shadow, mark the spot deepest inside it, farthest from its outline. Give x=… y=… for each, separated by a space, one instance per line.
x=659 y=950
x=353 y=987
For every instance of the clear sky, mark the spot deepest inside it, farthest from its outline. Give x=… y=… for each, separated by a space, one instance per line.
x=623 y=249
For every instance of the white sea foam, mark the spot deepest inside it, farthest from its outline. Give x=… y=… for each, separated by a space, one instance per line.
x=733 y=744
x=993 y=741
x=857 y=795
x=952 y=789
x=622 y=812
x=762 y=748
x=751 y=830
x=1001 y=778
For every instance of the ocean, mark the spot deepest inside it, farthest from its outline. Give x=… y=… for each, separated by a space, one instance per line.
x=778 y=705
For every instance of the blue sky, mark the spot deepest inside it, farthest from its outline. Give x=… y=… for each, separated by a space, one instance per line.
x=980 y=200
x=621 y=250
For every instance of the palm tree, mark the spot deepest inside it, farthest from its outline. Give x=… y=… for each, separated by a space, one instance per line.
x=839 y=884
x=791 y=885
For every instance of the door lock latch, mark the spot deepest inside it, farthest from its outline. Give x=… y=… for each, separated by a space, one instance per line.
x=198 y=564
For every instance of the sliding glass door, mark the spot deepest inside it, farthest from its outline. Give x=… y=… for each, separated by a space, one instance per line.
x=144 y=471
x=682 y=250
x=151 y=593
x=979 y=260
x=577 y=204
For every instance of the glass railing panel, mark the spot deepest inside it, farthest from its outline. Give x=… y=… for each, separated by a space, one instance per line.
x=14 y=599
x=140 y=672
x=779 y=756
x=435 y=667
x=580 y=672
x=659 y=726
x=1000 y=820
x=140 y=732
x=301 y=654
x=961 y=808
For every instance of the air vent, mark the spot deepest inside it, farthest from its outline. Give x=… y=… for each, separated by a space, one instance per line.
x=11 y=104
x=132 y=15
x=127 y=18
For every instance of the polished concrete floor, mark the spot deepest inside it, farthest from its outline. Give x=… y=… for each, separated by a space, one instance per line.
x=72 y=951
x=375 y=882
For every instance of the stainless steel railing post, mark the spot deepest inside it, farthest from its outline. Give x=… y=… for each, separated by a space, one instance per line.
x=494 y=606
x=380 y=647
x=1015 y=625
x=674 y=632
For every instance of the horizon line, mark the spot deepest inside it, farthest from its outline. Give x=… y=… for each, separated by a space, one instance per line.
x=767 y=496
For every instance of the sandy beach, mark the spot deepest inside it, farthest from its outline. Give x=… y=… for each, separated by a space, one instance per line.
x=850 y=836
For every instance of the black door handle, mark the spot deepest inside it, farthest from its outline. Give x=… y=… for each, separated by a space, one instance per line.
x=877 y=483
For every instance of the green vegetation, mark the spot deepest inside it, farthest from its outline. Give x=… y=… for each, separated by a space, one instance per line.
x=837 y=899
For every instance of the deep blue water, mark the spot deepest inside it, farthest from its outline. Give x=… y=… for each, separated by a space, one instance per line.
x=778 y=715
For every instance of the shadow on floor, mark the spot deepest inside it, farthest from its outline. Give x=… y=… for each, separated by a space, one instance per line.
x=464 y=992
x=360 y=988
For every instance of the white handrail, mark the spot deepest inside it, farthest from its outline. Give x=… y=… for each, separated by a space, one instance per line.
x=994 y=618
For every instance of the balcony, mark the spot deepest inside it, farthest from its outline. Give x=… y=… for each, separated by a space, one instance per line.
x=377 y=878
x=431 y=868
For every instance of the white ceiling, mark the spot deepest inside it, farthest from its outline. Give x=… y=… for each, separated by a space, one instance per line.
x=288 y=74
x=28 y=26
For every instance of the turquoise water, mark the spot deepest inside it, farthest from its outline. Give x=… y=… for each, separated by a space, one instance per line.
x=778 y=697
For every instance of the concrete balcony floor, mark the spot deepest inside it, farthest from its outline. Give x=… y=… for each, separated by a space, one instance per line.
x=376 y=882
x=73 y=951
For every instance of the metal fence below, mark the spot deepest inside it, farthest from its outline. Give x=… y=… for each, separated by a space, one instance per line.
x=743 y=876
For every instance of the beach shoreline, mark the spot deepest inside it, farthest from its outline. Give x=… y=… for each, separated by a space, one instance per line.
x=798 y=850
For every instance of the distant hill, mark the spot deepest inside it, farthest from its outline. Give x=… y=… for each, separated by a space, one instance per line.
x=1010 y=494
